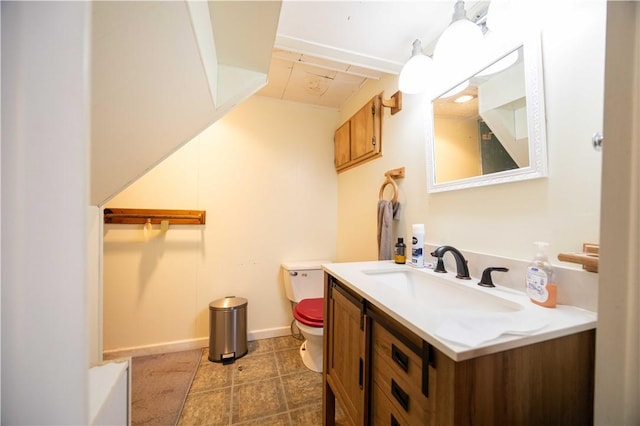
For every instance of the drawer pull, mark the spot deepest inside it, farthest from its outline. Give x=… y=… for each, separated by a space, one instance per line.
x=401 y=396
x=399 y=357
x=394 y=422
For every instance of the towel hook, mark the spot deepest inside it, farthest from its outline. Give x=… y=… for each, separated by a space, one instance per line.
x=389 y=175
x=389 y=181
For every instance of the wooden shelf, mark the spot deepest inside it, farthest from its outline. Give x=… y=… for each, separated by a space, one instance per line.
x=155 y=216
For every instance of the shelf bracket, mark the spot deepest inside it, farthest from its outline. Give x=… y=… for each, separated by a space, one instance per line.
x=394 y=103
x=395 y=173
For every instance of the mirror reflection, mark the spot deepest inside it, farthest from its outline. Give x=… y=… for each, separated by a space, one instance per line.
x=490 y=128
x=483 y=128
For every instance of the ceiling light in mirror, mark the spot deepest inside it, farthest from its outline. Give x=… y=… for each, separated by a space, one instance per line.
x=462 y=99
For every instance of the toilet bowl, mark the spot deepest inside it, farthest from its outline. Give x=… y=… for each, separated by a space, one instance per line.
x=304 y=286
x=309 y=315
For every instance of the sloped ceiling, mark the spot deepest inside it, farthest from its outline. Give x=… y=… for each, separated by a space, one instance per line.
x=151 y=92
x=162 y=71
x=326 y=50
x=303 y=78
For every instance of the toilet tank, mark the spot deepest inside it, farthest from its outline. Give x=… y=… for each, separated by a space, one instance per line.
x=303 y=280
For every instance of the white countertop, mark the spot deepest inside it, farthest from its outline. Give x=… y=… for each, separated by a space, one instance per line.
x=523 y=322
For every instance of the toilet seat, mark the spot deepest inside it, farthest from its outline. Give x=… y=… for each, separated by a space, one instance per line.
x=310 y=312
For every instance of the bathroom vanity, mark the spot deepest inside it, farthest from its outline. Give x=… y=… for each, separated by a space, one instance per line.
x=386 y=362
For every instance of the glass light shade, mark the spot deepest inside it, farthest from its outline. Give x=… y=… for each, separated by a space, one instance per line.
x=414 y=77
x=459 y=47
x=459 y=88
x=500 y=65
x=513 y=18
x=499 y=17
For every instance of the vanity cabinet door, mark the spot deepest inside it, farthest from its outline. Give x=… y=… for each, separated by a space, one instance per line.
x=345 y=340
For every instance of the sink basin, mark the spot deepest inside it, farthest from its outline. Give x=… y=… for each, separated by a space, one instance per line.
x=436 y=293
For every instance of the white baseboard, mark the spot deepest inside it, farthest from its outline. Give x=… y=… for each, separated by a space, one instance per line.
x=185 y=345
x=268 y=333
x=155 y=349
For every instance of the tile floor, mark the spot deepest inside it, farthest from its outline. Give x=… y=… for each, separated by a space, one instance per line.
x=268 y=386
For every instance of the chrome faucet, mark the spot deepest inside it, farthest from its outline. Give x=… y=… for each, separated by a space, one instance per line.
x=461 y=262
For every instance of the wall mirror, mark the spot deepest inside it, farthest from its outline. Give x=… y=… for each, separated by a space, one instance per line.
x=498 y=134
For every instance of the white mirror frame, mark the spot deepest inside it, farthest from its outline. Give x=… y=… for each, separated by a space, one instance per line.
x=536 y=128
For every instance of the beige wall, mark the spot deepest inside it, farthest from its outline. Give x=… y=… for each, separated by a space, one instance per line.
x=265 y=176
x=502 y=220
x=457 y=149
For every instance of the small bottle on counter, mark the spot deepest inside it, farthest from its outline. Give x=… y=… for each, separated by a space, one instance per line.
x=400 y=254
x=540 y=281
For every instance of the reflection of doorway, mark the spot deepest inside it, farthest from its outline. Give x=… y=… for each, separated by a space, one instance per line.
x=494 y=157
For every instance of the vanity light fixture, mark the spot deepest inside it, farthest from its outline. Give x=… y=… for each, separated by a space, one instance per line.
x=513 y=18
x=460 y=44
x=500 y=65
x=496 y=43
x=459 y=88
x=414 y=77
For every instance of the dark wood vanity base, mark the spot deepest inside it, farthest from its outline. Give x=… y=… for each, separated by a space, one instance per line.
x=381 y=373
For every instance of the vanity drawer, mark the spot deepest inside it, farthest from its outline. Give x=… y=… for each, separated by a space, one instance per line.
x=397 y=375
x=402 y=361
x=407 y=406
x=384 y=413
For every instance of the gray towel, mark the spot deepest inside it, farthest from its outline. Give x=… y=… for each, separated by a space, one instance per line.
x=396 y=210
x=385 y=216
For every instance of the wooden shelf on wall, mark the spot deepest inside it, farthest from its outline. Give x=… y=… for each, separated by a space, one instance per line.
x=588 y=258
x=155 y=216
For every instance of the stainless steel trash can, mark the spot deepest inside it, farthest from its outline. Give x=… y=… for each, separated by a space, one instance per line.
x=227 y=329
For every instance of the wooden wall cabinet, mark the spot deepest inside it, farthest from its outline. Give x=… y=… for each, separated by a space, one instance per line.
x=359 y=139
x=391 y=376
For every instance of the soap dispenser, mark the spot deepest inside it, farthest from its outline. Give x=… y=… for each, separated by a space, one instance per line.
x=541 y=288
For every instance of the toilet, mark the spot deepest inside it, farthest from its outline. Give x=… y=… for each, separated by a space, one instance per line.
x=304 y=286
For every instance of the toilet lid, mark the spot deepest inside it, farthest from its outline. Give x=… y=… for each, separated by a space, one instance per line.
x=310 y=312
